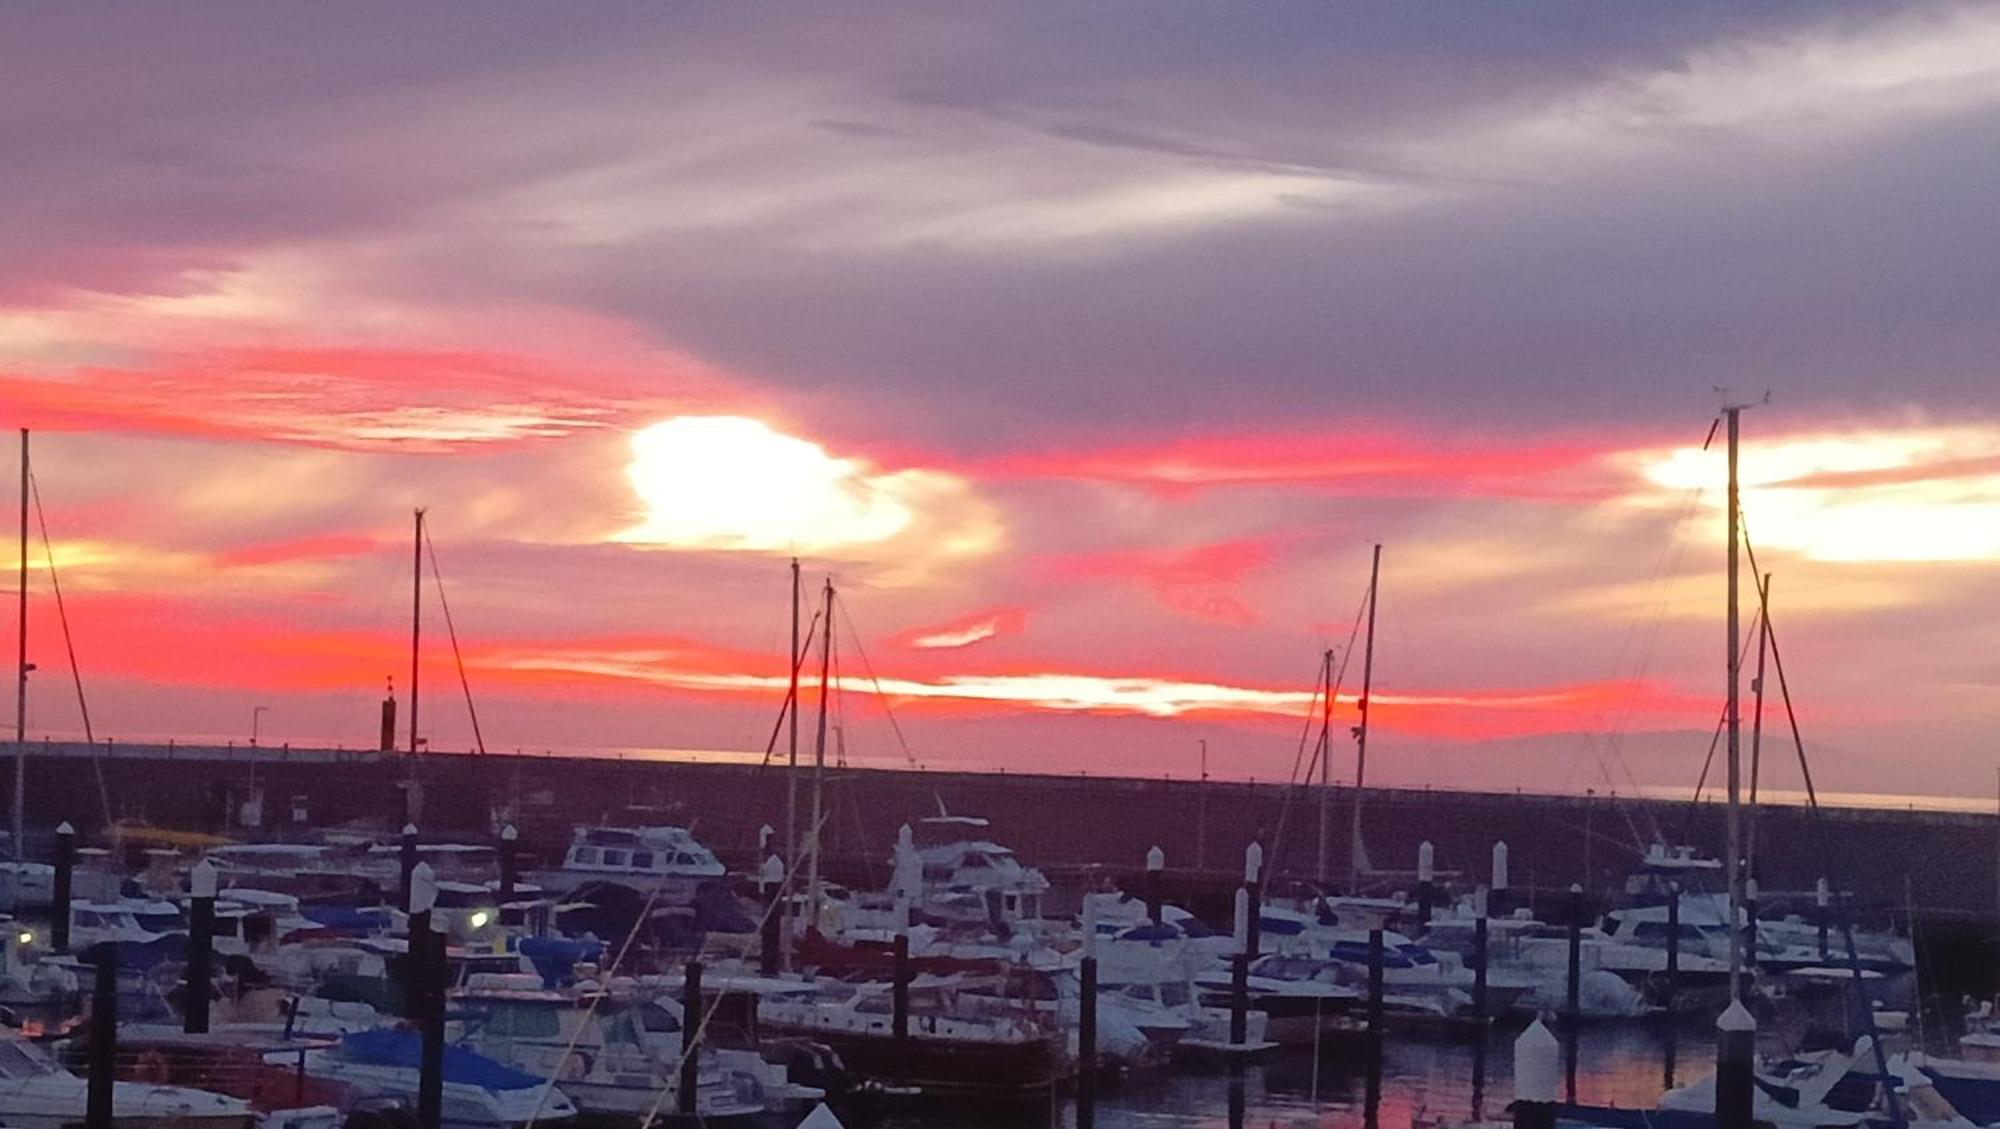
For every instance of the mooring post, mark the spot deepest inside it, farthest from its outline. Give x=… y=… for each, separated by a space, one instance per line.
x=691 y=1038
x=408 y=860
x=1239 y=974
x=1375 y=1021
x=1086 y=1027
x=417 y=965
x=1820 y=900
x=508 y=874
x=1673 y=945
x=1425 y=860
x=103 y=1038
x=1156 y=873
x=899 y=995
x=1253 y=869
x=1735 y=1066
x=1479 y=1016
x=430 y=1063
x=1750 y=934
x=1572 y=1006
x=770 y=886
x=1536 y=1068
x=201 y=947
x=65 y=876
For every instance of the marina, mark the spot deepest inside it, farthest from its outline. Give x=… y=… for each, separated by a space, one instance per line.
x=889 y=566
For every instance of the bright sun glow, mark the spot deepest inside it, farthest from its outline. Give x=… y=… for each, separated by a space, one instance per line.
x=725 y=482
x=1918 y=495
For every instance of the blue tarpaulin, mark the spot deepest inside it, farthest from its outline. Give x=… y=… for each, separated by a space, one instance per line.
x=555 y=958
x=404 y=1049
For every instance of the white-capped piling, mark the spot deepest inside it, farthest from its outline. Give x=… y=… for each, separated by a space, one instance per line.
x=201 y=947
x=1156 y=868
x=1735 y=1066
x=1425 y=874
x=1537 y=1073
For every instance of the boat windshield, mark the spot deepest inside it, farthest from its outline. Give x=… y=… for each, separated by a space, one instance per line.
x=18 y=1060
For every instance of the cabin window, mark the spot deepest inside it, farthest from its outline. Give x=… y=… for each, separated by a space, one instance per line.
x=585 y=856
x=616 y=857
x=525 y=1023
x=642 y=860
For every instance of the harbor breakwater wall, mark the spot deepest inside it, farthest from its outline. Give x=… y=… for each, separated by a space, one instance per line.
x=1082 y=830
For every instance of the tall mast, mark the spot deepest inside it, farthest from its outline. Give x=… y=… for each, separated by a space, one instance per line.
x=21 y=685
x=819 y=764
x=416 y=619
x=1735 y=724
x=1757 y=725
x=792 y=717
x=1355 y=849
x=1325 y=759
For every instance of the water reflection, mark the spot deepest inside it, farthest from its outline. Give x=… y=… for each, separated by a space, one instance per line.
x=1422 y=1085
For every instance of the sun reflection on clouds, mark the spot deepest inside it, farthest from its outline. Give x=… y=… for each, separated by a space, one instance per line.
x=733 y=483
x=1918 y=494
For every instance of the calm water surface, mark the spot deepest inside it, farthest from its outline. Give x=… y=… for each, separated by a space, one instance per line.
x=1423 y=1084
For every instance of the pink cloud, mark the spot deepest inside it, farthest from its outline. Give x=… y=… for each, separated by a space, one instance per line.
x=963 y=631
x=1343 y=459
x=1200 y=580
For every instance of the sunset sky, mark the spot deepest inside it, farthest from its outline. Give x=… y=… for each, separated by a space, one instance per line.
x=1088 y=348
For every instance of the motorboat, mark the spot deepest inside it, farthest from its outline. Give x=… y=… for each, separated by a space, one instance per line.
x=1305 y=999
x=381 y=1067
x=260 y=1068
x=667 y=863
x=597 y=1045
x=951 y=1047
x=38 y=1093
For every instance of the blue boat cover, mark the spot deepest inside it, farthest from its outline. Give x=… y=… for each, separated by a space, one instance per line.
x=347 y=918
x=1976 y=1099
x=555 y=958
x=390 y=1046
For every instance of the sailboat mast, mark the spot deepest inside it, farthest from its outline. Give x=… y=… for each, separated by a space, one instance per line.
x=416 y=619
x=1325 y=760
x=792 y=719
x=1355 y=850
x=1757 y=728
x=1735 y=725
x=819 y=765
x=21 y=684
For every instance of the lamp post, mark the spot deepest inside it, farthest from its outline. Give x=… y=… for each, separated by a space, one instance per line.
x=256 y=716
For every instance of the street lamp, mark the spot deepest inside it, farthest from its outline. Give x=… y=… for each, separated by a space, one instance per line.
x=256 y=715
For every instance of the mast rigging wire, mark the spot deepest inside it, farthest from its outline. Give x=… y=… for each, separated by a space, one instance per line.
x=69 y=645
x=791 y=691
x=1314 y=713
x=1827 y=860
x=869 y=667
x=451 y=630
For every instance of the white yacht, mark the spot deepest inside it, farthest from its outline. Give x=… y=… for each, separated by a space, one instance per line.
x=36 y=1093
x=667 y=859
